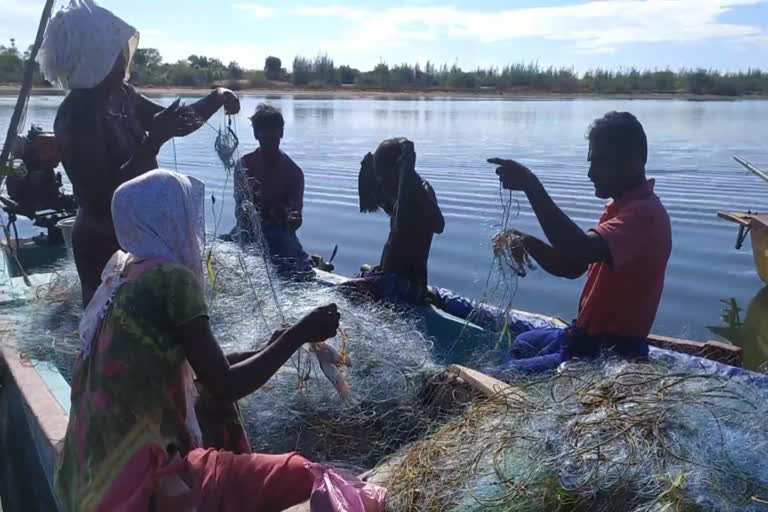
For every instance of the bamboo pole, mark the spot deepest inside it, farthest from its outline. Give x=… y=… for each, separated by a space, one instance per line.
x=751 y=168
x=26 y=86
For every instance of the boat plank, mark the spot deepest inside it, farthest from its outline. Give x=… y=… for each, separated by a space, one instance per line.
x=741 y=218
x=759 y=222
x=478 y=381
x=481 y=382
x=714 y=350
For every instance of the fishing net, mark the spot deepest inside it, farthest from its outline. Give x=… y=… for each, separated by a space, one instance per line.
x=397 y=393
x=226 y=145
x=510 y=259
x=591 y=437
x=596 y=437
x=390 y=377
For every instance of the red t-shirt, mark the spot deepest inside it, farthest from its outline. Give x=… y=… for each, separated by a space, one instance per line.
x=621 y=297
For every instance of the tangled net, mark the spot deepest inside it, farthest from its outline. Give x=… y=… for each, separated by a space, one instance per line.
x=226 y=145
x=592 y=437
x=509 y=253
x=392 y=376
x=596 y=437
x=299 y=409
x=509 y=259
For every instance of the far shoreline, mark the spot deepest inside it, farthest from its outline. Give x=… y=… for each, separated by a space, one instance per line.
x=354 y=93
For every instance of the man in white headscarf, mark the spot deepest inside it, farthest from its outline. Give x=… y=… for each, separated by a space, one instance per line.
x=107 y=133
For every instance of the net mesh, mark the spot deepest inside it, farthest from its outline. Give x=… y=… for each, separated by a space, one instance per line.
x=596 y=436
x=650 y=437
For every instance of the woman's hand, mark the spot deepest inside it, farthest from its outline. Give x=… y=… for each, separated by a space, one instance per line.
x=229 y=101
x=175 y=121
x=320 y=324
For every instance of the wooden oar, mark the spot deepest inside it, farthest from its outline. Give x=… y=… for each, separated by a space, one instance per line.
x=751 y=168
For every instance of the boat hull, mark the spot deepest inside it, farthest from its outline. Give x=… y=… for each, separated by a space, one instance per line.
x=760 y=249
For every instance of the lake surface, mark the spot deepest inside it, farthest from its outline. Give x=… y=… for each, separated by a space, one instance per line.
x=710 y=286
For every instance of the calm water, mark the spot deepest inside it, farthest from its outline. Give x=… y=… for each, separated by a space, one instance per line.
x=709 y=284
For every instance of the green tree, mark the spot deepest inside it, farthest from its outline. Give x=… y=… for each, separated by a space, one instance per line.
x=324 y=70
x=147 y=57
x=11 y=65
x=234 y=71
x=302 y=71
x=273 y=68
x=147 y=67
x=348 y=75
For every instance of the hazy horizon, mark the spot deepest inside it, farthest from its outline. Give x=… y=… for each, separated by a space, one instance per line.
x=724 y=35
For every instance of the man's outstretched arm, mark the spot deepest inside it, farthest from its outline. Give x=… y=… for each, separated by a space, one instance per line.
x=565 y=236
x=553 y=261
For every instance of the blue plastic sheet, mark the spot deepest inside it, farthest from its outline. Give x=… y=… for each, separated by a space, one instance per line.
x=493 y=318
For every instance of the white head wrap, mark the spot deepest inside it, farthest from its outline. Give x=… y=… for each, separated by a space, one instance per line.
x=82 y=43
x=159 y=214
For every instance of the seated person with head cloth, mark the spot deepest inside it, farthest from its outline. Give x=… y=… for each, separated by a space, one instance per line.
x=136 y=440
x=388 y=180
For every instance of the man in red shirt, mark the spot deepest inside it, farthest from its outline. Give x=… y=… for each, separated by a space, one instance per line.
x=625 y=255
x=274 y=184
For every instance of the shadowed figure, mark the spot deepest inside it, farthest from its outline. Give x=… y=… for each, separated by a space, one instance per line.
x=388 y=181
x=106 y=132
x=270 y=180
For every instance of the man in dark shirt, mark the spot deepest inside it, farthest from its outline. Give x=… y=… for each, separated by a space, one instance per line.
x=388 y=180
x=274 y=184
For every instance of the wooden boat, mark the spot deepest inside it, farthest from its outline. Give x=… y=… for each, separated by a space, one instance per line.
x=34 y=397
x=753 y=224
x=757 y=226
x=443 y=323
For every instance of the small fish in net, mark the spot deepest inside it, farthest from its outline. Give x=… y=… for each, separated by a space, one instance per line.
x=333 y=365
x=509 y=250
x=344 y=342
x=226 y=145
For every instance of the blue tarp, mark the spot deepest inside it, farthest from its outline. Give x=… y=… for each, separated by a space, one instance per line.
x=493 y=318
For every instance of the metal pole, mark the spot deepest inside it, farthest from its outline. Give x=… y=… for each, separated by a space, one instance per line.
x=26 y=86
x=751 y=168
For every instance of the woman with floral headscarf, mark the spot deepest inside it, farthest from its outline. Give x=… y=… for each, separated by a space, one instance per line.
x=107 y=132
x=133 y=442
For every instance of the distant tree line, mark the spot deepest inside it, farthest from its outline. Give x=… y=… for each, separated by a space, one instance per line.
x=12 y=65
x=321 y=72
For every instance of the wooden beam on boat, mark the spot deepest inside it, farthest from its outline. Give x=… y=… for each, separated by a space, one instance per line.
x=714 y=350
x=740 y=218
x=481 y=382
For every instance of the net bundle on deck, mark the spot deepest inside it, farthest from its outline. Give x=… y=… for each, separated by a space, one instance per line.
x=599 y=436
x=393 y=377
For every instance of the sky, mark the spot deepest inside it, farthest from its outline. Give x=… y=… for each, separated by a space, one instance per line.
x=728 y=35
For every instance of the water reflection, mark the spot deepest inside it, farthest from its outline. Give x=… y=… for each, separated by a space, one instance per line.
x=748 y=331
x=322 y=112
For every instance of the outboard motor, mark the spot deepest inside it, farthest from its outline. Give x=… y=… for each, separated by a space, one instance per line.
x=35 y=188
